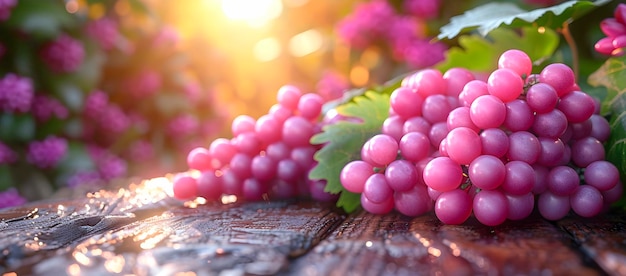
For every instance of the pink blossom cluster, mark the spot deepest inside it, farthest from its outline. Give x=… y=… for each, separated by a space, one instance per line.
x=16 y=93
x=44 y=108
x=46 y=153
x=144 y=84
x=6 y=6
x=104 y=115
x=405 y=34
x=615 y=30
x=64 y=54
x=332 y=85
x=11 y=197
x=104 y=31
x=109 y=166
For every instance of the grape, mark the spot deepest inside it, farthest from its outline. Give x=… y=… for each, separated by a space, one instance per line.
x=490 y=207
x=541 y=98
x=231 y=183
x=209 y=185
x=297 y=131
x=524 y=146
x=519 y=116
x=282 y=189
x=541 y=178
x=587 y=150
x=248 y=143
x=552 y=151
x=586 y=201
x=406 y=103
x=222 y=150
x=456 y=78
x=317 y=190
x=242 y=124
x=613 y=194
x=464 y=145
x=303 y=156
x=600 y=128
x=310 y=106
x=519 y=178
x=393 y=126
x=377 y=188
x=453 y=207
x=377 y=208
x=460 y=117
x=437 y=132
x=436 y=108
x=567 y=156
x=199 y=159
x=471 y=91
x=413 y=202
x=553 y=207
x=602 y=175
x=382 y=149
x=517 y=61
x=559 y=76
x=563 y=180
x=289 y=96
x=505 y=84
x=278 y=151
x=432 y=193
x=268 y=129
x=520 y=206
x=263 y=168
x=550 y=124
x=428 y=82
x=354 y=174
x=487 y=172
x=288 y=170
x=580 y=130
x=416 y=124
x=494 y=141
x=253 y=189
x=487 y=111
x=401 y=175
x=577 y=106
x=185 y=187
x=443 y=174
x=280 y=113
x=241 y=164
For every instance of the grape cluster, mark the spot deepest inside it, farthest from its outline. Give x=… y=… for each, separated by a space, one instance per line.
x=494 y=148
x=615 y=30
x=267 y=157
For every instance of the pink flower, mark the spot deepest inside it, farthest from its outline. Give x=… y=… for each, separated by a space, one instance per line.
x=16 y=93
x=7 y=155
x=63 y=55
x=6 y=6
x=44 y=108
x=104 y=31
x=146 y=83
x=423 y=9
x=11 y=198
x=182 y=126
x=46 y=153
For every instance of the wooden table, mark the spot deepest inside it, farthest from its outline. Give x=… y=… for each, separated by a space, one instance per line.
x=140 y=230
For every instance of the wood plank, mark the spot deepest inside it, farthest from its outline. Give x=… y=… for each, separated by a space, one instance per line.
x=602 y=239
x=367 y=244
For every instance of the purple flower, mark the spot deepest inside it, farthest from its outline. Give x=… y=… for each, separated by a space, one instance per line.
x=11 y=198
x=16 y=93
x=45 y=107
x=7 y=155
x=46 y=153
x=63 y=55
x=104 y=31
x=6 y=6
x=423 y=9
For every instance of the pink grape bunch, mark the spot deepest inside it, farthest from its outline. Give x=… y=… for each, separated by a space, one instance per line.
x=494 y=149
x=268 y=157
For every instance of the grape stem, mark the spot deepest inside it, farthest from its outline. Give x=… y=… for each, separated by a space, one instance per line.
x=572 y=45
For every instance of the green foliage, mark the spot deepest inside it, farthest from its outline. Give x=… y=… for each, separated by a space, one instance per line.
x=343 y=141
x=490 y=16
x=481 y=54
x=44 y=19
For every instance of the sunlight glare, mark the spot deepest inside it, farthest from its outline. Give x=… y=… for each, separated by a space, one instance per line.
x=255 y=12
x=306 y=43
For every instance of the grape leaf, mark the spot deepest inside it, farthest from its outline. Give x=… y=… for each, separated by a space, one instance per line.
x=343 y=141
x=612 y=75
x=490 y=16
x=481 y=54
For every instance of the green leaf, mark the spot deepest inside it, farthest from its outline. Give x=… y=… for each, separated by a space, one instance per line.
x=45 y=19
x=17 y=127
x=612 y=75
x=481 y=54
x=616 y=146
x=343 y=141
x=490 y=16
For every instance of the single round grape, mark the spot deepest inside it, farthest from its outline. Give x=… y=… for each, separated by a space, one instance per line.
x=580 y=130
x=586 y=201
x=248 y=143
x=577 y=106
x=552 y=151
x=443 y=174
x=377 y=208
x=600 y=128
x=209 y=186
x=413 y=202
x=263 y=168
x=414 y=146
x=310 y=105
x=487 y=172
x=377 y=188
x=280 y=113
x=587 y=150
x=464 y=145
x=393 y=126
x=428 y=82
x=253 y=189
x=222 y=150
x=432 y=193
x=524 y=146
x=288 y=170
x=550 y=124
x=553 y=207
x=460 y=117
x=567 y=136
x=416 y=124
x=490 y=207
x=559 y=76
x=505 y=84
x=317 y=191
x=354 y=174
x=297 y=131
x=278 y=151
x=303 y=156
x=456 y=78
x=520 y=206
x=185 y=187
x=401 y=175
x=382 y=149
x=516 y=60
x=494 y=141
x=614 y=194
x=289 y=96
x=541 y=178
x=437 y=132
x=443 y=148
x=471 y=91
x=406 y=103
x=563 y=180
x=420 y=166
x=436 y=108
x=453 y=207
x=365 y=154
x=242 y=124
x=519 y=116
x=268 y=129
x=487 y=111
x=541 y=98
x=241 y=164
x=519 y=178
x=231 y=183
x=602 y=175
x=199 y=159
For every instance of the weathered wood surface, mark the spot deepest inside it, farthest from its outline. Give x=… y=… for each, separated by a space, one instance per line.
x=140 y=231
